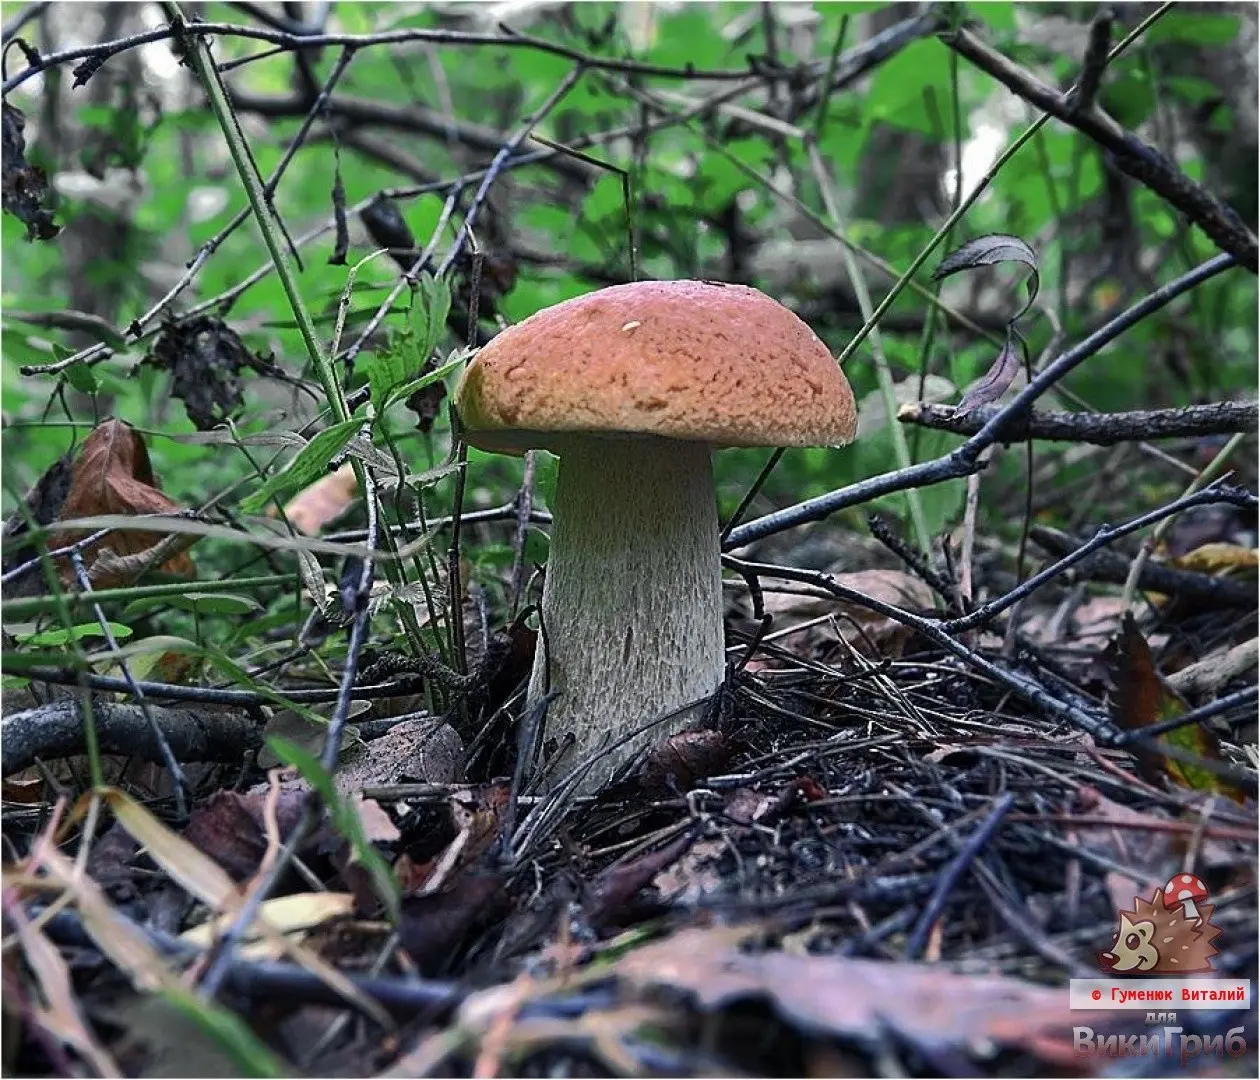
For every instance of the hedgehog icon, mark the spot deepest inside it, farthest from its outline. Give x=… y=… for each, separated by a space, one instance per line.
x=1171 y=933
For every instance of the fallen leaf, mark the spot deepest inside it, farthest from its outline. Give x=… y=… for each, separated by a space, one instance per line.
x=285 y=914
x=679 y=762
x=1142 y=698
x=112 y=475
x=322 y=502
x=431 y=927
x=865 y=630
x=230 y=827
x=840 y=997
x=1218 y=558
x=694 y=875
x=377 y=826
x=613 y=890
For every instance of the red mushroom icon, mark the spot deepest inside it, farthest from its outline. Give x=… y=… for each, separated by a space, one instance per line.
x=1185 y=889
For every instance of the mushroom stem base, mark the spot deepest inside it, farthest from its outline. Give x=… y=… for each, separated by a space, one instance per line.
x=632 y=600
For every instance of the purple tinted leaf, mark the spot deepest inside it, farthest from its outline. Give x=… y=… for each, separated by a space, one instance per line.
x=997 y=379
x=986 y=251
x=989 y=251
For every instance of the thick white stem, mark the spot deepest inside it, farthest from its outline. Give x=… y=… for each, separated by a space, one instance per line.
x=633 y=595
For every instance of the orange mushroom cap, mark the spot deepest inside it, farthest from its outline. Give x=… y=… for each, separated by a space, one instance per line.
x=694 y=360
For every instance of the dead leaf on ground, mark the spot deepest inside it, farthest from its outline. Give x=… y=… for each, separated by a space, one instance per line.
x=293 y=914
x=432 y=926
x=612 y=891
x=1141 y=698
x=112 y=475
x=1142 y=843
x=1090 y=625
x=322 y=502
x=677 y=763
x=1218 y=558
x=836 y=996
x=378 y=828
x=230 y=827
x=694 y=875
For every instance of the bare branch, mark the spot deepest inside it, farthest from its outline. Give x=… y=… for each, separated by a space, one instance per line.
x=1099 y=429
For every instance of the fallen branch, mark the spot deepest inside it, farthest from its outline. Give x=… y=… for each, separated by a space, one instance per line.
x=1212 y=673
x=57 y=731
x=1099 y=429
x=1114 y=568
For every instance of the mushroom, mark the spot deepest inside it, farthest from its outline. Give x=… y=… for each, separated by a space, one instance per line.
x=632 y=386
x=1185 y=889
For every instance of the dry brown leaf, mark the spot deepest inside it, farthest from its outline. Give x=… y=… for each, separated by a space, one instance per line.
x=694 y=876
x=59 y=1013
x=112 y=475
x=838 y=996
x=1141 y=843
x=377 y=826
x=322 y=502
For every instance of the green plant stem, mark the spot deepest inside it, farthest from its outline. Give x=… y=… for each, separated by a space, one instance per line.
x=203 y=64
x=883 y=374
x=965 y=204
x=24 y=606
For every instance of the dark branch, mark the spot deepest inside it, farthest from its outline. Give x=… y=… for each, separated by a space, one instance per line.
x=1114 y=568
x=57 y=731
x=966 y=459
x=1132 y=156
x=1094 y=63
x=1098 y=429
x=416 y=120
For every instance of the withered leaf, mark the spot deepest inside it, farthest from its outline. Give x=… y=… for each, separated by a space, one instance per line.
x=843 y=997
x=24 y=186
x=611 y=891
x=112 y=475
x=389 y=229
x=989 y=251
x=997 y=380
x=205 y=357
x=1142 y=698
x=324 y=501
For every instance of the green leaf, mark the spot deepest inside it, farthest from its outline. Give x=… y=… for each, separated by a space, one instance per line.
x=428 y=314
x=202 y=603
x=250 y=1055
x=344 y=820
x=1183 y=28
x=409 y=350
x=82 y=378
x=429 y=377
x=75 y=633
x=311 y=462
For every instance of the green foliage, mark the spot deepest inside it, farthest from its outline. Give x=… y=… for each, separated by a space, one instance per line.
x=311 y=461
x=693 y=212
